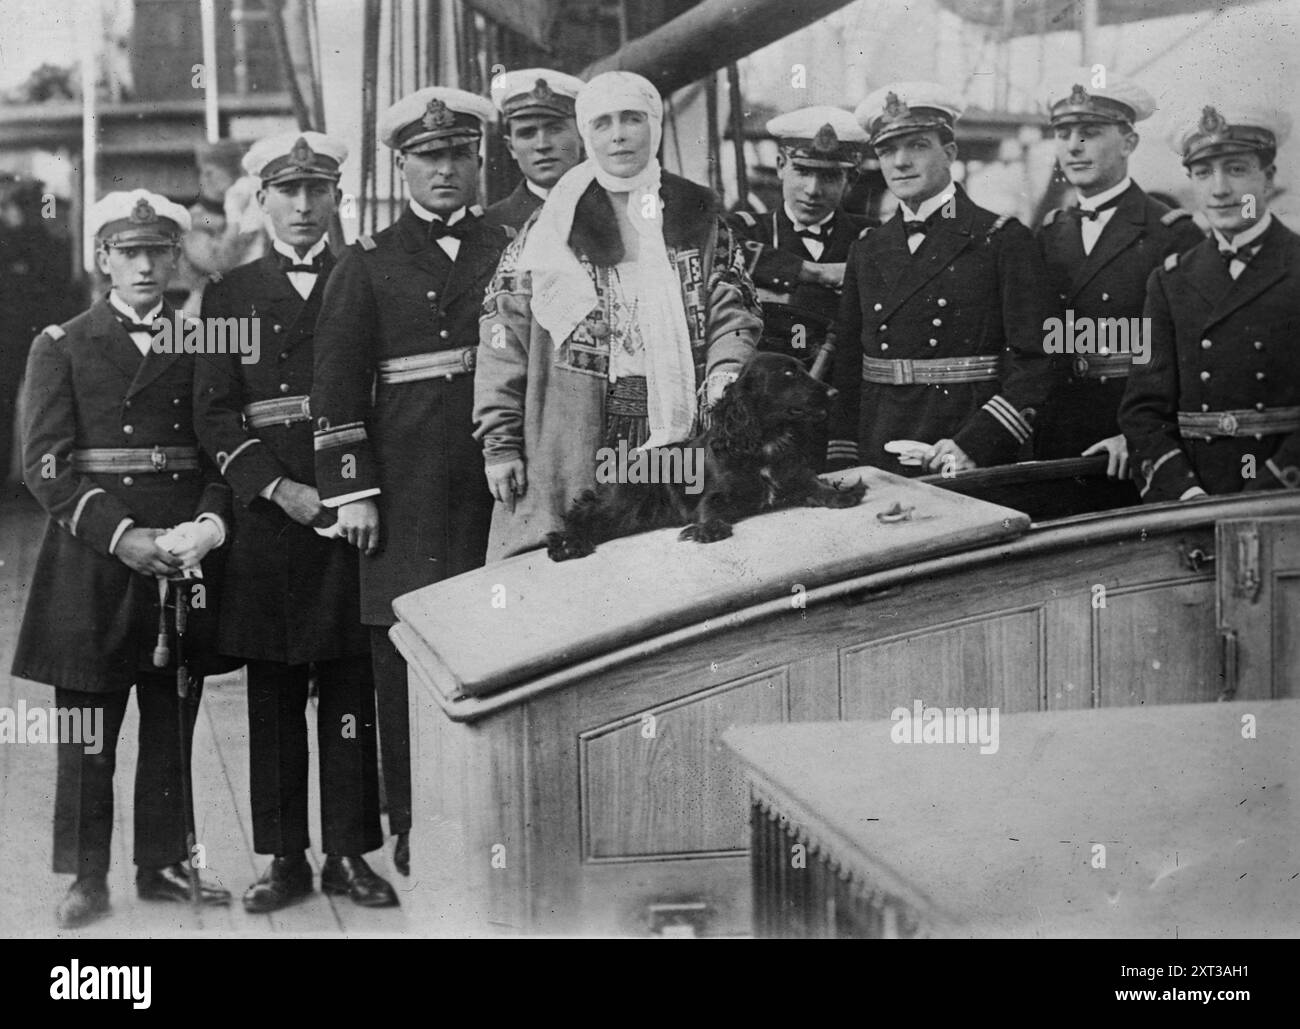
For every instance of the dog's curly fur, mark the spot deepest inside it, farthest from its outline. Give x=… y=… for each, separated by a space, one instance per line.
x=757 y=457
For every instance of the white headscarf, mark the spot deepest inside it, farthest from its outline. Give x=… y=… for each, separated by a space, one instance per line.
x=563 y=293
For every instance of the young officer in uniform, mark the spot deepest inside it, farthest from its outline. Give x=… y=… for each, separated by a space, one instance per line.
x=1099 y=253
x=292 y=597
x=944 y=309
x=397 y=457
x=110 y=453
x=797 y=252
x=1217 y=409
x=536 y=105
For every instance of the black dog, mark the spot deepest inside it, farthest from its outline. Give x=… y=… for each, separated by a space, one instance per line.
x=757 y=456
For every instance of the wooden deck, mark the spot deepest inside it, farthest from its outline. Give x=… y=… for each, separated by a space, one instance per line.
x=31 y=891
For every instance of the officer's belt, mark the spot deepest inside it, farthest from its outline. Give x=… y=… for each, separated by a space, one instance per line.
x=926 y=371
x=1272 y=421
x=277 y=411
x=1101 y=366
x=121 y=460
x=446 y=363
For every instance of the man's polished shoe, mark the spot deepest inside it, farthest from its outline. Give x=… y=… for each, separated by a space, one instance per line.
x=86 y=901
x=286 y=879
x=402 y=853
x=351 y=875
x=173 y=883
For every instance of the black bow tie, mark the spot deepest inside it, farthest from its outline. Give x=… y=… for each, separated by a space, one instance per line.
x=912 y=228
x=809 y=232
x=314 y=267
x=439 y=228
x=131 y=325
x=1243 y=255
x=1081 y=213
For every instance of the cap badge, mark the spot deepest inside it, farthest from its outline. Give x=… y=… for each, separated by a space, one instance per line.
x=1078 y=96
x=437 y=116
x=826 y=141
x=302 y=154
x=143 y=212
x=542 y=90
x=895 y=108
x=1212 y=122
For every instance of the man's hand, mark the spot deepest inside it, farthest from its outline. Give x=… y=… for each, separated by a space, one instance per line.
x=947 y=458
x=190 y=542
x=138 y=551
x=1117 y=449
x=359 y=525
x=507 y=480
x=829 y=275
x=298 y=500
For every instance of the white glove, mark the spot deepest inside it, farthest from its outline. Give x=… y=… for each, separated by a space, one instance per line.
x=190 y=541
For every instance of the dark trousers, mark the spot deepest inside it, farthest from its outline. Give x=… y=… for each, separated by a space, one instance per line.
x=394 y=728
x=83 y=799
x=345 y=732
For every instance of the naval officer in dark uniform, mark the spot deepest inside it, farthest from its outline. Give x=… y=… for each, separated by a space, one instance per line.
x=797 y=252
x=291 y=603
x=941 y=354
x=1217 y=409
x=536 y=106
x=109 y=451
x=393 y=393
x=1099 y=253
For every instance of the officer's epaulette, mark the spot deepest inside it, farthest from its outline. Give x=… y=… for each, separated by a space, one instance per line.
x=1171 y=262
x=1177 y=214
x=367 y=242
x=1052 y=215
x=749 y=220
x=1002 y=220
x=55 y=332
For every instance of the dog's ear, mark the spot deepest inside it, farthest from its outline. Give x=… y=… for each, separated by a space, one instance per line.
x=737 y=428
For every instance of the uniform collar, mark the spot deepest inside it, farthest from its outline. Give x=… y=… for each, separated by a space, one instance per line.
x=536 y=190
x=289 y=252
x=1098 y=199
x=425 y=215
x=928 y=207
x=122 y=307
x=1243 y=239
x=815 y=225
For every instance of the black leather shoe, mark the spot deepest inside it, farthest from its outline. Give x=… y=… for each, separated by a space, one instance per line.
x=286 y=879
x=173 y=884
x=351 y=875
x=402 y=853
x=86 y=901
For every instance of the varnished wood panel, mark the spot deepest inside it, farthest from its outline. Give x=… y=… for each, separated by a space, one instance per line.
x=668 y=787
x=984 y=662
x=1071 y=674
x=1158 y=644
x=1286 y=636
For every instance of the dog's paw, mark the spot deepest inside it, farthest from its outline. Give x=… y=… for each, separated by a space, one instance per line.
x=706 y=532
x=561 y=546
x=848 y=496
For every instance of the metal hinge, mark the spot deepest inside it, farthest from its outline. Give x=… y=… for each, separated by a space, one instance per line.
x=1248 y=578
x=1228 y=663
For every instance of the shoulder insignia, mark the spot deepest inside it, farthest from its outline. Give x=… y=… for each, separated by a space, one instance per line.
x=1171 y=262
x=1052 y=215
x=367 y=242
x=749 y=220
x=54 y=331
x=1177 y=214
x=863 y=233
x=1002 y=220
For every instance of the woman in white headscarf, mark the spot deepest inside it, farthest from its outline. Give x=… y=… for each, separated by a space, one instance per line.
x=621 y=309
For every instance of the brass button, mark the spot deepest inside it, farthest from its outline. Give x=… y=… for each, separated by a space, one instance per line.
x=942 y=302
x=277 y=328
x=176 y=401
x=284 y=355
x=1205 y=407
x=284 y=387
x=127 y=480
x=1259 y=376
x=937 y=322
x=878 y=307
x=934 y=342
x=432 y=294
x=883 y=328
x=176 y=426
x=1259 y=345
x=126 y=403
x=1105 y=296
x=128 y=429
x=884 y=346
x=176 y=476
x=1205 y=376
x=443 y=334
x=1259 y=407
x=1206 y=344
